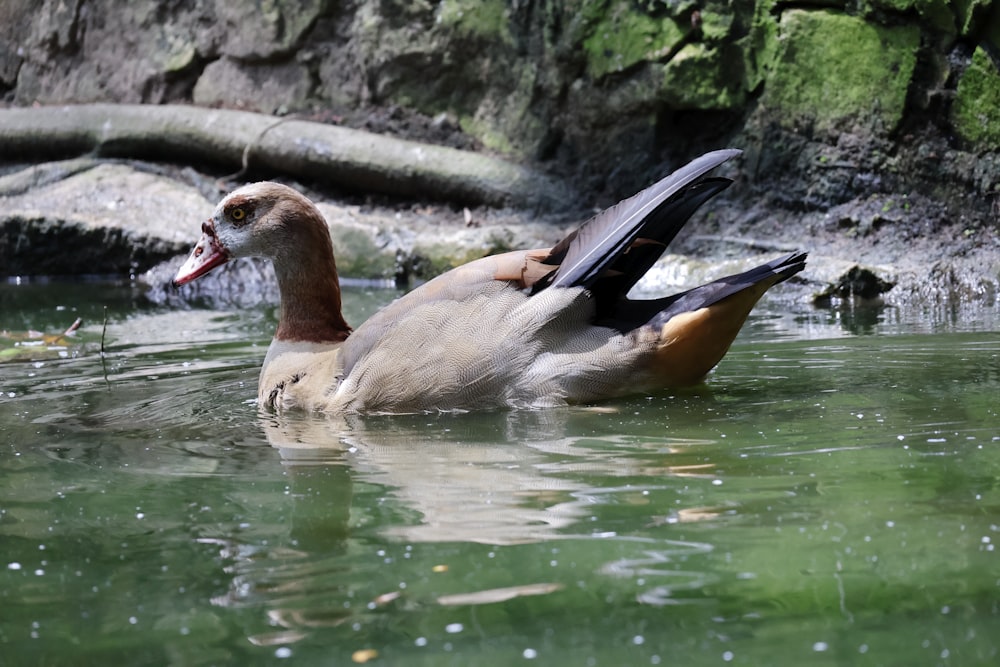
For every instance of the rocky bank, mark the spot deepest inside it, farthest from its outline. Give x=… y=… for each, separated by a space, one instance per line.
x=870 y=129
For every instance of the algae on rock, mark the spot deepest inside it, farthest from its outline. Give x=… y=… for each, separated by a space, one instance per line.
x=831 y=68
x=976 y=109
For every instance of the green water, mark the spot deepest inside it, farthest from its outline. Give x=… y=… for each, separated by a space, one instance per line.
x=830 y=497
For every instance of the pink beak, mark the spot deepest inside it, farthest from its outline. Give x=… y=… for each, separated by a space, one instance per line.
x=205 y=256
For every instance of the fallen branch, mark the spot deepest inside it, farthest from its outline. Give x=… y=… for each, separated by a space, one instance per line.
x=337 y=155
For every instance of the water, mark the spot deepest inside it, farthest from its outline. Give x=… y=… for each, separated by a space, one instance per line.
x=830 y=497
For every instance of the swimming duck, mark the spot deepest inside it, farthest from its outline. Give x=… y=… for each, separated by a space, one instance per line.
x=522 y=329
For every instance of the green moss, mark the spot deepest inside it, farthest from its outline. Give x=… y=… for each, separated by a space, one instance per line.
x=483 y=19
x=715 y=25
x=625 y=37
x=433 y=259
x=178 y=54
x=829 y=68
x=939 y=15
x=504 y=121
x=976 y=110
x=486 y=132
x=359 y=256
x=965 y=17
x=968 y=13
x=760 y=46
x=702 y=78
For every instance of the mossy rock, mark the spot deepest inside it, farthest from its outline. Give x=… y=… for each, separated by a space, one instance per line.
x=976 y=110
x=830 y=69
x=360 y=254
x=431 y=257
x=504 y=120
x=625 y=37
x=481 y=19
x=699 y=77
x=940 y=15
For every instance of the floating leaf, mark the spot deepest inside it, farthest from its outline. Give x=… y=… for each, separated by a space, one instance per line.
x=386 y=598
x=364 y=655
x=498 y=594
x=277 y=638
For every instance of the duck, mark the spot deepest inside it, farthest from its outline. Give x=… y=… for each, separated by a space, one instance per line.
x=525 y=329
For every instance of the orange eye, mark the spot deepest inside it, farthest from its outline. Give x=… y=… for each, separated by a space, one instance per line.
x=238 y=214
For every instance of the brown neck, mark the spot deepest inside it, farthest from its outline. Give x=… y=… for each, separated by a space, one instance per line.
x=310 y=289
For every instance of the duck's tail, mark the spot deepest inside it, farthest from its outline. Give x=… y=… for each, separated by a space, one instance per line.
x=696 y=328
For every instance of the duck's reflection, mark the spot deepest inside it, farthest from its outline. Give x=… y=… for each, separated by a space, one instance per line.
x=504 y=478
x=521 y=486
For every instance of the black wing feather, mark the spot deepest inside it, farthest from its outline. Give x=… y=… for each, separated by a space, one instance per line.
x=657 y=312
x=606 y=236
x=656 y=234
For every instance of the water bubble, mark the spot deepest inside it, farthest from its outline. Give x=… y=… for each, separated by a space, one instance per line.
x=453 y=628
x=819 y=647
x=283 y=652
x=529 y=654
x=727 y=656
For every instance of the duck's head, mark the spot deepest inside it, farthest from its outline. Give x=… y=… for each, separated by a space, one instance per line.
x=257 y=220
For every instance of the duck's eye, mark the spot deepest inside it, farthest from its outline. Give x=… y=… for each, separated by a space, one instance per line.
x=238 y=214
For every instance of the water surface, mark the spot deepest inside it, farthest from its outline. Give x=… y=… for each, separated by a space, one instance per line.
x=829 y=496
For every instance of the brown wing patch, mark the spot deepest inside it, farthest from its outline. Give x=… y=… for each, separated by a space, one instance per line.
x=522 y=267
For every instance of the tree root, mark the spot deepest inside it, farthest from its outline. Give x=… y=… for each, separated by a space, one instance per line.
x=353 y=159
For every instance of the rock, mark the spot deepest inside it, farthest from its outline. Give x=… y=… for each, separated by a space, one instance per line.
x=133 y=52
x=106 y=219
x=15 y=19
x=976 y=108
x=858 y=282
x=250 y=30
x=835 y=70
x=626 y=36
x=699 y=77
x=266 y=87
